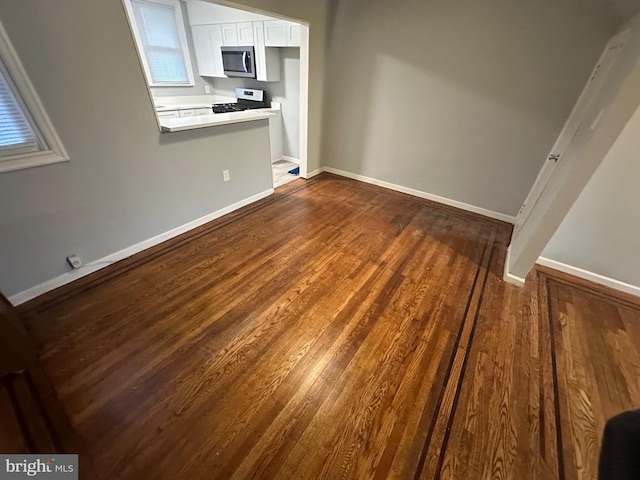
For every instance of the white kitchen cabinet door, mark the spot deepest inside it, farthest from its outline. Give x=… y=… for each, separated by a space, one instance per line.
x=203 y=50
x=293 y=34
x=261 y=60
x=280 y=33
x=267 y=59
x=207 y=40
x=191 y=112
x=204 y=111
x=229 y=35
x=245 y=34
x=275 y=33
x=215 y=40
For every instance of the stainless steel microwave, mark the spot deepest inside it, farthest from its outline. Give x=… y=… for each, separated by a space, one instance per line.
x=239 y=62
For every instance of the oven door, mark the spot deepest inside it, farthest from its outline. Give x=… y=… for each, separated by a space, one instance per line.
x=239 y=62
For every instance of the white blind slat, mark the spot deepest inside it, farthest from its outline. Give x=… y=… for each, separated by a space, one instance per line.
x=160 y=40
x=16 y=133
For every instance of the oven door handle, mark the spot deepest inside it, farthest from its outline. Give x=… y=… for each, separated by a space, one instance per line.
x=244 y=62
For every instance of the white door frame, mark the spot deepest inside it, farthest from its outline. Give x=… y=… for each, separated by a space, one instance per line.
x=608 y=115
x=571 y=126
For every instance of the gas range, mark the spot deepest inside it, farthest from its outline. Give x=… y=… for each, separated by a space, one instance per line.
x=247 y=99
x=229 y=107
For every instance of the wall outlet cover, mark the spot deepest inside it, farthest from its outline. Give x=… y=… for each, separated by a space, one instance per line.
x=74 y=261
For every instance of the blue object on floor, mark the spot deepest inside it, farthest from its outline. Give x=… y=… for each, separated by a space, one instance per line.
x=294 y=171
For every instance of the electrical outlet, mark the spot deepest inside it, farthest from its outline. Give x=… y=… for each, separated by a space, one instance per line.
x=207 y=89
x=74 y=261
x=225 y=175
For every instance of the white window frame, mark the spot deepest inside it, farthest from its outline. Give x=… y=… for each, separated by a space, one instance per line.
x=182 y=35
x=53 y=151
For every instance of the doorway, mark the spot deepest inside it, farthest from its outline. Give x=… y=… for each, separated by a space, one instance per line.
x=283 y=44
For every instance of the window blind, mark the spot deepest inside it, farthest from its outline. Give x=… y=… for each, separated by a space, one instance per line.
x=17 y=135
x=156 y=24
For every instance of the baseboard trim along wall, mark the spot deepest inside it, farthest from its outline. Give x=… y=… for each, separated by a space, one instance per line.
x=96 y=265
x=291 y=159
x=425 y=195
x=288 y=159
x=591 y=276
x=509 y=277
x=314 y=173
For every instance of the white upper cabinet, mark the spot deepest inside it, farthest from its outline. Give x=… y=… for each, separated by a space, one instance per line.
x=203 y=50
x=207 y=40
x=230 y=35
x=280 y=33
x=245 y=34
x=267 y=59
x=216 y=41
x=275 y=33
x=293 y=35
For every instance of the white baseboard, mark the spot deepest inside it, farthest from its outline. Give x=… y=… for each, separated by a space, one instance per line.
x=314 y=173
x=421 y=194
x=291 y=159
x=510 y=277
x=591 y=276
x=288 y=159
x=96 y=265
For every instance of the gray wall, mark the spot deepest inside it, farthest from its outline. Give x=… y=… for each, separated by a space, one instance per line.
x=286 y=91
x=459 y=99
x=125 y=182
x=200 y=82
x=601 y=233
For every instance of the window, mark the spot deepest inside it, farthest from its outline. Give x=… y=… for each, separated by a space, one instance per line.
x=17 y=134
x=27 y=138
x=158 y=28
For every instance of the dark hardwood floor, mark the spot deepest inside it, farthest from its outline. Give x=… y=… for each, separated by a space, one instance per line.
x=338 y=330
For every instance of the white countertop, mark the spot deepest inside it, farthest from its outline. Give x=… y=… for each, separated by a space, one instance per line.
x=164 y=104
x=187 y=106
x=215 y=119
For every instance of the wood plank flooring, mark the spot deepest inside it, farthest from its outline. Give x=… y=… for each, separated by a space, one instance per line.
x=338 y=330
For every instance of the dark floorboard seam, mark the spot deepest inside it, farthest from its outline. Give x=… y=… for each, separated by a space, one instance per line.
x=425 y=448
x=456 y=397
x=556 y=391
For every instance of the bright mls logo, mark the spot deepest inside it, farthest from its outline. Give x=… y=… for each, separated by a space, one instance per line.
x=52 y=467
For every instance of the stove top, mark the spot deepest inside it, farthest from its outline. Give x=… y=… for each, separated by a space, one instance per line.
x=230 y=107
x=247 y=99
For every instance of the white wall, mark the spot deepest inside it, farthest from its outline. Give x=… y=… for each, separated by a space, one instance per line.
x=458 y=99
x=286 y=92
x=125 y=182
x=601 y=233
